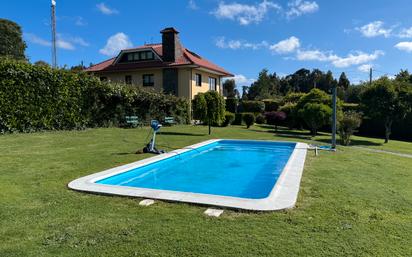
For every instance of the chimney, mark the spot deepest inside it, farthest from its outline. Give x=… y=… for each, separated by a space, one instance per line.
x=172 y=49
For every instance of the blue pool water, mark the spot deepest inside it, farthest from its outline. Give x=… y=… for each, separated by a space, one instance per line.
x=245 y=169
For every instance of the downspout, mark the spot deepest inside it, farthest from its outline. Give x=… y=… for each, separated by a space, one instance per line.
x=190 y=95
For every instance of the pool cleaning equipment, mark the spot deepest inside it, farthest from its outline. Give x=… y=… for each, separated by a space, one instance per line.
x=150 y=147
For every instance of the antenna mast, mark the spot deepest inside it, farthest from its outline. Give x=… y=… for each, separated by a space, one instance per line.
x=53 y=28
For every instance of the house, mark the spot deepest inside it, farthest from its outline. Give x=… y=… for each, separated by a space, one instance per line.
x=167 y=67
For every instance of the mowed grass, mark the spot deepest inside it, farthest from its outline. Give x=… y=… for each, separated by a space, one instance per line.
x=351 y=203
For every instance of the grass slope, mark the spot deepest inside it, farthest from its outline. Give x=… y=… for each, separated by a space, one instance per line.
x=351 y=203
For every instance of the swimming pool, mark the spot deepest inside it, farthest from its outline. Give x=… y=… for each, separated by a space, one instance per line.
x=246 y=174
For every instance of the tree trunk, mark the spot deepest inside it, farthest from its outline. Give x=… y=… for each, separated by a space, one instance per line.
x=209 y=127
x=388 y=130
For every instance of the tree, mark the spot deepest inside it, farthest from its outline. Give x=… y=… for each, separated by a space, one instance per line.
x=11 y=42
x=41 y=63
x=344 y=82
x=199 y=107
x=404 y=76
x=248 y=118
x=315 y=116
x=265 y=86
x=245 y=91
x=229 y=88
x=349 y=122
x=275 y=118
x=209 y=107
x=387 y=100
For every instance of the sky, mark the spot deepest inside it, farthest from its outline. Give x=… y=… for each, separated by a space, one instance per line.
x=242 y=36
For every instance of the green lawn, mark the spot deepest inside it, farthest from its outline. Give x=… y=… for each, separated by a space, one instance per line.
x=352 y=202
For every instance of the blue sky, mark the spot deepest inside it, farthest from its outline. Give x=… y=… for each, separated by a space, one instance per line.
x=241 y=36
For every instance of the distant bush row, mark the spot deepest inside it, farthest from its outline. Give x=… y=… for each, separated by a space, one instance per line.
x=36 y=98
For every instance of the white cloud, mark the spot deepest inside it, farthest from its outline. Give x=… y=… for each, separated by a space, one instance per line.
x=242 y=80
x=365 y=67
x=79 y=21
x=103 y=8
x=116 y=43
x=243 y=13
x=37 y=40
x=405 y=33
x=192 y=5
x=286 y=46
x=374 y=29
x=221 y=42
x=299 y=7
x=404 y=46
x=356 y=59
x=62 y=42
x=338 y=61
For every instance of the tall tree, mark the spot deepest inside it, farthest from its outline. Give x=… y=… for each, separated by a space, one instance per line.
x=245 y=92
x=404 y=76
x=266 y=86
x=344 y=82
x=11 y=42
x=229 y=88
x=387 y=101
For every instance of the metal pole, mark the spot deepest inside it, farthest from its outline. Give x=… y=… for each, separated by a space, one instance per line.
x=370 y=76
x=53 y=27
x=334 y=123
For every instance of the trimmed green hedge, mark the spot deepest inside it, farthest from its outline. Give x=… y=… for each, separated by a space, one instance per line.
x=272 y=105
x=36 y=98
x=231 y=104
x=252 y=106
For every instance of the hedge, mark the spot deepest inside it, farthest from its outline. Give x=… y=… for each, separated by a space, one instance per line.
x=272 y=105
x=36 y=98
x=231 y=104
x=252 y=106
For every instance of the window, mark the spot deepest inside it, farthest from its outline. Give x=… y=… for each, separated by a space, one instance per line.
x=128 y=79
x=212 y=83
x=148 y=80
x=103 y=79
x=198 y=79
x=137 y=56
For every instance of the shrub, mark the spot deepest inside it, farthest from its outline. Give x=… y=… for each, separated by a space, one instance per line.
x=346 y=107
x=252 y=106
x=229 y=118
x=238 y=119
x=293 y=97
x=315 y=115
x=275 y=118
x=249 y=119
x=292 y=118
x=271 y=105
x=260 y=119
x=348 y=124
x=209 y=107
x=231 y=104
x=199 y=107
x=314 y=96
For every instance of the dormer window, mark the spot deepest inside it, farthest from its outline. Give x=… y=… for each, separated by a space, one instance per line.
x=137 y=56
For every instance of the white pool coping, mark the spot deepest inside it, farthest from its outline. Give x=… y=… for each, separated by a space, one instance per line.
x=283 y=195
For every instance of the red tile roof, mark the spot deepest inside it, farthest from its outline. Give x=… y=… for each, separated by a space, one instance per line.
x=188 y=58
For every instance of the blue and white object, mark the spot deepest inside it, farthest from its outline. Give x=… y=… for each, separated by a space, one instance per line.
x=253 y=175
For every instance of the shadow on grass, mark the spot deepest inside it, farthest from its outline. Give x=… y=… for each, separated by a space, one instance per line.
x=353 y=142
x=123 y=153
x=171 y=133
